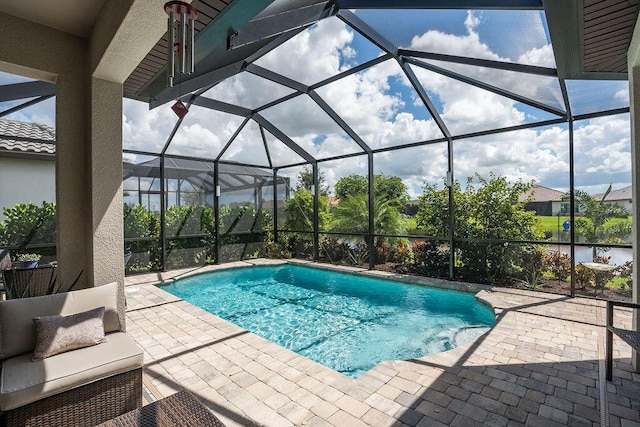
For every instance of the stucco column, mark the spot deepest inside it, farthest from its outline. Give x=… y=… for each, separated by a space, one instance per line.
x=88 y=150
x=42 y=53
x=633 y=58
x=71 y=178
x=106 y=262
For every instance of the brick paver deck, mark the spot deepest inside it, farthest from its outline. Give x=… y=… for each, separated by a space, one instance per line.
x=541 y=365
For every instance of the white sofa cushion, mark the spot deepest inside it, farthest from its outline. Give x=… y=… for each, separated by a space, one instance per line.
x=23 y=381
x=17 y=333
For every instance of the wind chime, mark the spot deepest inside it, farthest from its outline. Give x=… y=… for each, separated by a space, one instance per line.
x=180 y=44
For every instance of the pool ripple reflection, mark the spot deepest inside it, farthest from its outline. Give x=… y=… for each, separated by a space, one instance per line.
x=347 y=322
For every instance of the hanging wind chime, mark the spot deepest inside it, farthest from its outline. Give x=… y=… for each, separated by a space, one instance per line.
x=180 y=44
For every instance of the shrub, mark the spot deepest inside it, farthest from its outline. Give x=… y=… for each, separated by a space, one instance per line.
x=143 y=225
x=584 y=277
x=299 y=212
x=402 y=253
x=29 y=224
x=381 y=252
x=273 y=249
x=359 y=254
x=430 y=260
x=334 y=249
x=532 y=264
x=626 y=269
x=296 y=245
x=558 y=264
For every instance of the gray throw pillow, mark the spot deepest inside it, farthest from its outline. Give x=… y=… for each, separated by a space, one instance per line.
x=59 y=334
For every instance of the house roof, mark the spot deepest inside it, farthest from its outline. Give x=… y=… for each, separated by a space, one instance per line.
x=539 y=193
x=624 y=193
x=27 y=137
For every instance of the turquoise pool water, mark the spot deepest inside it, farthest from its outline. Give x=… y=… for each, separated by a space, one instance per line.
x=347 y=322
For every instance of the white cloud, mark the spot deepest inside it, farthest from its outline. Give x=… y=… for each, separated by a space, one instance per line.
x=144 y=129
x=370 y=102
x=43 y=112
x=540 y=56
x=603 y=146
x=622 y=95
x=468 y=45
x=312 y=56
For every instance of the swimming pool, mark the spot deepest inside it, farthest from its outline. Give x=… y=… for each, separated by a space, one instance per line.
x=347 y=322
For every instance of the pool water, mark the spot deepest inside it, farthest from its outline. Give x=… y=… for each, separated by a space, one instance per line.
x=347 y=322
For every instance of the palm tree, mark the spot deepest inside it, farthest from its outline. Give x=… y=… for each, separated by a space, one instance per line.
x=352 y=215
x=599 y=212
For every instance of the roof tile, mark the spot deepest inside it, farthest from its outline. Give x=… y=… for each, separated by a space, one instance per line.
x=27 y=137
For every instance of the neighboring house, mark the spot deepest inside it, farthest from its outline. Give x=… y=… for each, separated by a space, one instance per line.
x=621 y=196
x=27 y=163
x=545 y=201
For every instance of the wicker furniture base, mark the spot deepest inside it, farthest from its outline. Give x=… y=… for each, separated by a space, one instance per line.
x=86 y=405
x=180 y=409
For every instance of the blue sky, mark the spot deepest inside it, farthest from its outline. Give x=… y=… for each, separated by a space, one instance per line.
x=383 y=108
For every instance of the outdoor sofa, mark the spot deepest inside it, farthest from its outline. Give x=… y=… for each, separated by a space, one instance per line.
x=80 y=387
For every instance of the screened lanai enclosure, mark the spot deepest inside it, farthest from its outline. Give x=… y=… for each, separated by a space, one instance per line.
x=412 y=139
x=172 y=206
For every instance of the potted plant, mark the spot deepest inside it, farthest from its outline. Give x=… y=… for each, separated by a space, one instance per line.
x=28 y=260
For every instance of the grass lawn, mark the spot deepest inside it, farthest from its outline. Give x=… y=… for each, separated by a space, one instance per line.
x=548 y=224
x=553 y=223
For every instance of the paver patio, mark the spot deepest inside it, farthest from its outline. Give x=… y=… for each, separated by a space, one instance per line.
x=541 y=365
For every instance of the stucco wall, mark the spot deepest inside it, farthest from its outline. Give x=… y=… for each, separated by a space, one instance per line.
x=26 y=181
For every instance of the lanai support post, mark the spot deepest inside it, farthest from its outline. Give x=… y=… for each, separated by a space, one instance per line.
x=275 y=205
x=372 y=248
x=452 y=206
x=316 y=208
x=163 y=216
x=633 y=66
x=572 y=211
x=216 y=209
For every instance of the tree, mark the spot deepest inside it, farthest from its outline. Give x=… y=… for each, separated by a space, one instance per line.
x=598 y=212
x=299 y=211
x=433 y=209
x=351 y=185
x=389 y=188
x=486 y=211
x=305 y=181
x=352 y=215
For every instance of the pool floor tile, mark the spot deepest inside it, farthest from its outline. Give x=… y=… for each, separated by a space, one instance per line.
x=539 y=365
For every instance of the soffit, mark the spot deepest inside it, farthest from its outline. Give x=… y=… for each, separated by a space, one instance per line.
x=217 y=20
x=591 y=37
x=75 y=17
x=155 y=61
x=607 y=30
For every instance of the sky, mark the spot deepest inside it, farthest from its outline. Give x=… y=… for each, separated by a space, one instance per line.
x=383 y=108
